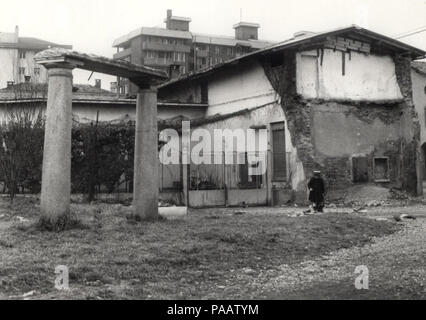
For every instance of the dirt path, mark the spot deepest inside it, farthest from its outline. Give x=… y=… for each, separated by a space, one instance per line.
x=252 y=249
x=396 y=266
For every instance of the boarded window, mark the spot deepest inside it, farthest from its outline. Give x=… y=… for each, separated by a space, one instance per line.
x=278 y=149
x=360 y=169
x=247 y=180
x=381 y=169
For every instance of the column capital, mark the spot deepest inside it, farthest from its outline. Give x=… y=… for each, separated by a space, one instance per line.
x=148 y=90
x=59 y=72
x=57 y=64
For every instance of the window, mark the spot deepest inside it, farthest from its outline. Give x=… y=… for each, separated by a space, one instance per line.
x=22 y=70
x=22 y=54
x=360 y=169
x=217 y=50
x=381 y=169
x=279 y=165
x=150 y=54
x=36 y=71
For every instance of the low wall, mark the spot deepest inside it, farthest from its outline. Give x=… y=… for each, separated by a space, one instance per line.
x=172 y=196
x=230 y=197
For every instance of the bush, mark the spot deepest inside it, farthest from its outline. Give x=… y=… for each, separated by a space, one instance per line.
x=21 y=150
x=101 y=154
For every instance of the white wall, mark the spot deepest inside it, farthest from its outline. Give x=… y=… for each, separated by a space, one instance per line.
x=8 y=58
x=367 y=77
x=419 y=98
x=29 y=64
x=248 y=88
x=245 y=88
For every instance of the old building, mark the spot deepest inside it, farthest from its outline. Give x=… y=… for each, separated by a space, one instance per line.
x=91 y=103
x=17 y=58
x=418 y=76
x=178 y=51
x=338 y=101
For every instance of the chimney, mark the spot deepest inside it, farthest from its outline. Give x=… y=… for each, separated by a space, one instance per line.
x=246 y=31
x=98 y=83
x=16 y=34
x=176 y=23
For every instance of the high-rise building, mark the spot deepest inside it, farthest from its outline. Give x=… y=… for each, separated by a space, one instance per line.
x=176 y=50
x=17 y=58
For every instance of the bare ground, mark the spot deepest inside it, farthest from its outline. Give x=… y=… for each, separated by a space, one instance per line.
x=214 y=253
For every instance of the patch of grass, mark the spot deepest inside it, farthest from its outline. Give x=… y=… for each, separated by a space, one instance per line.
x=5 y=244
x=119 y=257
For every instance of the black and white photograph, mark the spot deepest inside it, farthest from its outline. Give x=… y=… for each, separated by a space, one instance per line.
x=230 y=152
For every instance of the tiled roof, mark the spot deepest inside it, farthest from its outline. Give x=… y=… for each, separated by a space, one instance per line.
x=39 y=90
x=295 y=42
x=35 y=43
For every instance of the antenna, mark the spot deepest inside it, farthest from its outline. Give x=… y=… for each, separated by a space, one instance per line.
x=241 y=14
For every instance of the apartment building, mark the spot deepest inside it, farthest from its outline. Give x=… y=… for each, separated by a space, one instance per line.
x=177 y=50
x=17 y=58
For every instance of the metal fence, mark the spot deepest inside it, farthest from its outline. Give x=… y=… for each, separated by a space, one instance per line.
x=237 y=170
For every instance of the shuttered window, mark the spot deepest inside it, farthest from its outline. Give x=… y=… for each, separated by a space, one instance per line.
x=278 y=150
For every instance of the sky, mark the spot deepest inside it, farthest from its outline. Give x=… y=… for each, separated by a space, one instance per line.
x=92 y=25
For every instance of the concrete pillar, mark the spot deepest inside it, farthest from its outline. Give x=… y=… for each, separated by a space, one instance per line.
x=145 y=190
x=56 y=174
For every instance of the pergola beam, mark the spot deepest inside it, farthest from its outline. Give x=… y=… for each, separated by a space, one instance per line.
x=56 y=175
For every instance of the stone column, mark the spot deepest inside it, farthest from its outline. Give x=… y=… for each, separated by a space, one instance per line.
x=56 y=174
x=145 y=188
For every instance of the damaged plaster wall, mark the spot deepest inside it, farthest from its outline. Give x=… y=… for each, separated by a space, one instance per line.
x=328 y=133
x=366 y=76
x=410 y=163
x=419 y=98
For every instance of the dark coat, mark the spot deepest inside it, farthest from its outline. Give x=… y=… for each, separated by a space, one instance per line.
x=318 y=189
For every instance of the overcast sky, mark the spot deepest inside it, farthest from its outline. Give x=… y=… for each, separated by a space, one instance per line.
x=92 y=25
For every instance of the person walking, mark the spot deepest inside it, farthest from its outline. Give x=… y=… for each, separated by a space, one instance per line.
x=316 y=187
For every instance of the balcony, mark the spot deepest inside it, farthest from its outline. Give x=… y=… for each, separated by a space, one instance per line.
x=162 y=62
x=202 y=53
x=122 y=54
x=165 y=47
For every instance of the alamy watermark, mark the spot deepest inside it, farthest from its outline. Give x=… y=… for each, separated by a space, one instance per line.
x=200 y=147
x=361 y=281
x=62 y=278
